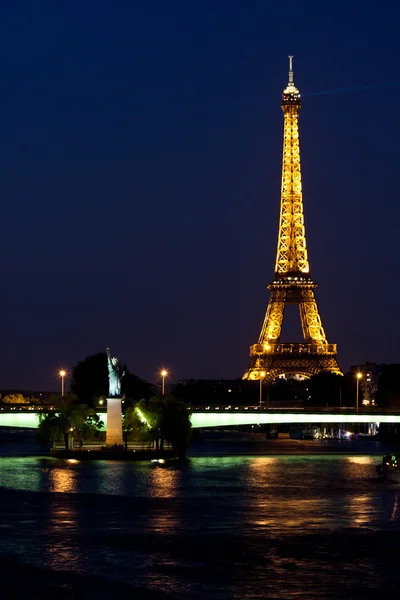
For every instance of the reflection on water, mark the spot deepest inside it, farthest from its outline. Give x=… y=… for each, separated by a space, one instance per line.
x=229 y=527
x=62 y=550
x=164 y=482
x=63 y=479
x=393 y=516
x=360 y=460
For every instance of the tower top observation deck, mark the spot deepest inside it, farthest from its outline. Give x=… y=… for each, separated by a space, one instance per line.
x=291 y=95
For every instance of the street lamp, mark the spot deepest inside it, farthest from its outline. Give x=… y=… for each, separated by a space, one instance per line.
x=163 y=374
x=62 y=374
x=358 y=376
x=262 y=375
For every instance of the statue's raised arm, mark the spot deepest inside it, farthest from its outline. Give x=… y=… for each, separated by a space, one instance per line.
x=114 y=376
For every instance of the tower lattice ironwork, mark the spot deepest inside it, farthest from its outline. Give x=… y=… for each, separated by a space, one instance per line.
x=292 y=283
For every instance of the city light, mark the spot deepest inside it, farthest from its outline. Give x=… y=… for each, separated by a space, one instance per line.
x=358 y=376
x=62 y=373
x=164 y=374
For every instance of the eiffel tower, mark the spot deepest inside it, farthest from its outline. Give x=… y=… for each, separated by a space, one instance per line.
x=292 y=283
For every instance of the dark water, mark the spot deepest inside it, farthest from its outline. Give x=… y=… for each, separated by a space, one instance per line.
x=239 y=527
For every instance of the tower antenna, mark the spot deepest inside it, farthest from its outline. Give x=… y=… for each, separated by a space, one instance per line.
x=290 y=69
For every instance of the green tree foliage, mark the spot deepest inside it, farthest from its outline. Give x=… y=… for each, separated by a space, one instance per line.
x=167 y=420
x=15 y=399
x=68 y=419
x=133 y=427
x=89 y=381
x=85 y=422
x=176 y=425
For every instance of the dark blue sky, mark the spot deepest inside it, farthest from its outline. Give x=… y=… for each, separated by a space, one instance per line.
x=140 y=177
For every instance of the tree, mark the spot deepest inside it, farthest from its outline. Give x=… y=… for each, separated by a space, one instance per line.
x=388 y=393
x=89 y=381
x=167 y=420
x=324 y=389
x=150 y=413
x=176 y=425
x=90 y=378
x=68 y=418
x=133 y=427
x=15 y=399
x=55 y=425
x=327 y=389
x=85 y=422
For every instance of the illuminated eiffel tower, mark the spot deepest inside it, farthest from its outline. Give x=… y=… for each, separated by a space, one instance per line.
x=292 y=283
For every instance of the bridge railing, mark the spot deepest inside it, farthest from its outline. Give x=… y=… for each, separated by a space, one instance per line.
x=292 y=349
x=299 y=409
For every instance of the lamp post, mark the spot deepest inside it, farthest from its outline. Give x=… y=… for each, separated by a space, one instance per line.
x=62 y=374
x=163 y=374
x=358 y=376
x=262 y=375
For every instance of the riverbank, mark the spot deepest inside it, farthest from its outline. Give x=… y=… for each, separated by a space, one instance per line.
x=255 y=444
x=213 y=444
x=98 y=454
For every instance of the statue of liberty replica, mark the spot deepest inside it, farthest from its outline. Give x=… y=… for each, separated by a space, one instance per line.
x=114 y=376
x=114 y=411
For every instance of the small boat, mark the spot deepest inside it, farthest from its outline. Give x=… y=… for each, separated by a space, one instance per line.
x=389 y=470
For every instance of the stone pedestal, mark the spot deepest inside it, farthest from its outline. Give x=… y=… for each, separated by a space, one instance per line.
x=114 y=422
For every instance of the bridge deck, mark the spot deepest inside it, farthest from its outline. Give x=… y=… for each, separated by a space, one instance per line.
x=235 y=416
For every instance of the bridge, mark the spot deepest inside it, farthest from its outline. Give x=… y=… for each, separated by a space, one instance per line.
x=234 y=416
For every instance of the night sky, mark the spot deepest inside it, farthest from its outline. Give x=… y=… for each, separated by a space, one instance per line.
x=140 y=180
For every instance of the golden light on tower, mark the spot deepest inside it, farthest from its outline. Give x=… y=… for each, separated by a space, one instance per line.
x=262 y=377
x=292 y=283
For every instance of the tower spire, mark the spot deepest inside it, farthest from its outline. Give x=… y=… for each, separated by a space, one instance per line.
x=290 y=69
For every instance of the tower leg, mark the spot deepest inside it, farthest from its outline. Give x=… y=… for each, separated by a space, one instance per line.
x=310 y=320
x=114 y=422
x=271 y=329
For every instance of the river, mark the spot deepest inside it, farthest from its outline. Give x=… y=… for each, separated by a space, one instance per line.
x=257 y=527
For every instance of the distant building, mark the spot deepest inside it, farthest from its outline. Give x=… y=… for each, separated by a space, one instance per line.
x=369 y=381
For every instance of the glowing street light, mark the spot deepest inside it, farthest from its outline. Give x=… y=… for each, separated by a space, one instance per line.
x=62 y=374
x=262 y=375
x=164 y=374
x=358 y=376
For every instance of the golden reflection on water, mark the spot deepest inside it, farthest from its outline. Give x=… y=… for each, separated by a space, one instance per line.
x=63 y=480
x=361 y=509
x=395 y=507
x=62 y=551
x=360 y=460
x=266 y=475
x=164 y=482
x=261 y=470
